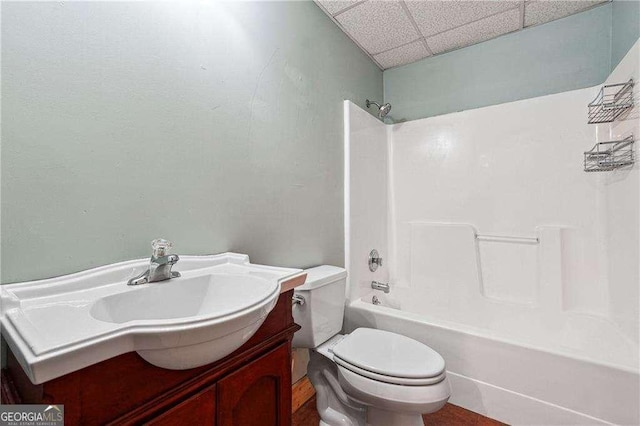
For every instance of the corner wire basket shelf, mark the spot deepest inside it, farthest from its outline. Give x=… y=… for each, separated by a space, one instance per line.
x=613 y=100
x=607 y=156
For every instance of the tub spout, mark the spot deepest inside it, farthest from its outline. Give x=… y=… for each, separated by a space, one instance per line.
x=380 y=286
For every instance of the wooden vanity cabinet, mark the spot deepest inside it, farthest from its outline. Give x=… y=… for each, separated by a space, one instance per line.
x=259 y=393
x=198 y=409
x=252 y=386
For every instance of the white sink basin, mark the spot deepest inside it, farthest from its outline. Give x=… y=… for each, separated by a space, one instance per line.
x=213 y=296
x=63 y=324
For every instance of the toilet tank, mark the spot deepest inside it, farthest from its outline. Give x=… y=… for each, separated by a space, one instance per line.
x=322 y=313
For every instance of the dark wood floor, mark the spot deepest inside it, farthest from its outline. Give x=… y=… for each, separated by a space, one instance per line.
x=450 y=415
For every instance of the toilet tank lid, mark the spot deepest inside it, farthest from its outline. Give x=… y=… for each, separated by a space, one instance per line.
x=322 y=275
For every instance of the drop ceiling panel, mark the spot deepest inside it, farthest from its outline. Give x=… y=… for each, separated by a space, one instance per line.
x=540 y=12
x=434 y=17
x=402 y=55
x=398 y=32
x=336 y=6
x=475 y=32
x=378 y=25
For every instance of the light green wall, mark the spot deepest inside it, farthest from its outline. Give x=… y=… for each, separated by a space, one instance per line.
x=625 y=28
x=567 y=54
x=215 y=125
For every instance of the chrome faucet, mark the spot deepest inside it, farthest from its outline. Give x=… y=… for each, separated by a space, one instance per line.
x=380 y=286
x=159 y=266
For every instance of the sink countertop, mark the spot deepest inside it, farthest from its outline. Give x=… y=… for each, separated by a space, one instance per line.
x=52 y=327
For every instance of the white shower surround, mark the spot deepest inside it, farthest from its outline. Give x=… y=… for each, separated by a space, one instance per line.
x=532 y=333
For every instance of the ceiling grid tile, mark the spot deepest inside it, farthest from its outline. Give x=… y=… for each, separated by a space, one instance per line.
x=434 y=17
x=540 y=12
x=410 y=52
x=398 y=32
x=378 y=25
x=476 y=32
x=333 y=7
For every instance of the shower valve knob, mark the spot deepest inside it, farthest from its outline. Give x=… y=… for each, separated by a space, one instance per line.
x=374 y=260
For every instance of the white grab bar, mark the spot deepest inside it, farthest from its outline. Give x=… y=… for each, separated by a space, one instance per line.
x=508 y=239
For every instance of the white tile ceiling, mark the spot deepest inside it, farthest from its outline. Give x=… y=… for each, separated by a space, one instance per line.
x=398 y=32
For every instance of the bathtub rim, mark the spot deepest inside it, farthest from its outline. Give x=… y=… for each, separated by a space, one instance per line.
x=360 y=303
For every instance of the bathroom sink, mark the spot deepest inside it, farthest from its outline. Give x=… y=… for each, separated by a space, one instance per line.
x=212 y=296
x=60 y=325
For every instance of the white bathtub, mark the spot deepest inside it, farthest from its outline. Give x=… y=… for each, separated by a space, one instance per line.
x=511 y=368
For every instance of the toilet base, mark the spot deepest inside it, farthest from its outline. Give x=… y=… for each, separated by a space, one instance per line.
x=377 y=417
x=336 y=408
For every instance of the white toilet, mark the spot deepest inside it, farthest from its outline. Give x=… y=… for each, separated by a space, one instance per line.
x=368 y=377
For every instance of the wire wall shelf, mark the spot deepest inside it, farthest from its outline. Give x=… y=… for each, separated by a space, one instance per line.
x=613 y=100
x=607 y=156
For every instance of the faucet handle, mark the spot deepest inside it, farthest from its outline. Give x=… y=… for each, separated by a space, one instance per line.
x=160 y=247
x=374 y=260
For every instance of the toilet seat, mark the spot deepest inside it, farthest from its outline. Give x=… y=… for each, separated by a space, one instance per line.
x=392 y=397
x=390 y=379
x=388 y=357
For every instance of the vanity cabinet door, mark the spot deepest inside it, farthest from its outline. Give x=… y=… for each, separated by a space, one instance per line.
x=199 y=409
x=258 y=394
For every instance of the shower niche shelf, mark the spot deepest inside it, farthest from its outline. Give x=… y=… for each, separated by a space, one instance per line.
x=611 y=155
x=613 y=100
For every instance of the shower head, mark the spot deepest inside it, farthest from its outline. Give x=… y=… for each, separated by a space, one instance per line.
x=383 y=110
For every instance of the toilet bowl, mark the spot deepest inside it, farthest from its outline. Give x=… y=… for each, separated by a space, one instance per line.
x=368 y=377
